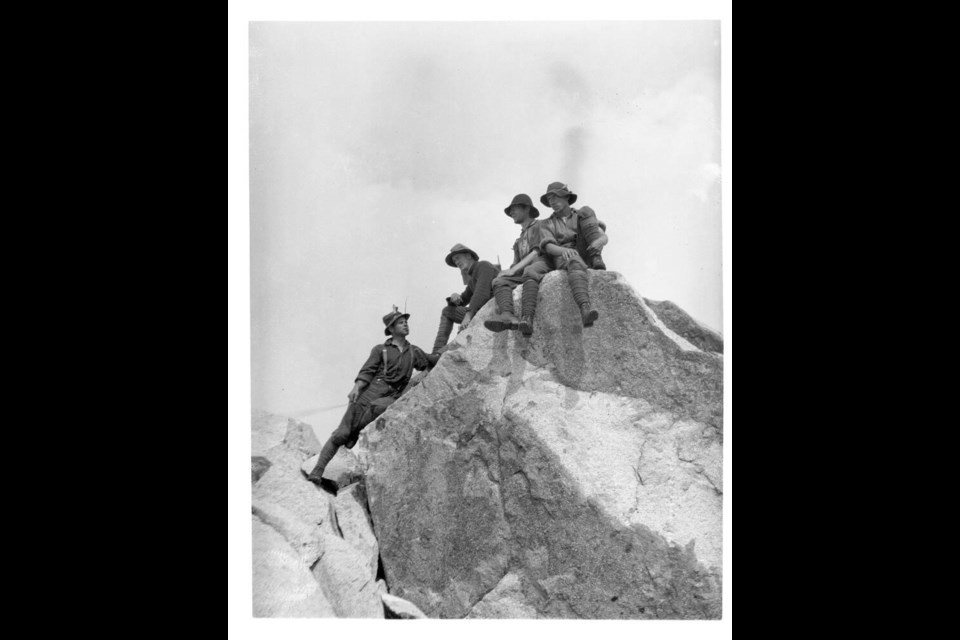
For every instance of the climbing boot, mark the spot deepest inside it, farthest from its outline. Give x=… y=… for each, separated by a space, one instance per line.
x=526 y=325
x=501 y=322
x=588 y=314
x=598 y=264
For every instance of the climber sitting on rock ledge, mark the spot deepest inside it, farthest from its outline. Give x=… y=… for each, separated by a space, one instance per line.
x=526 y=252
x=479 y=275
x=561 y=234
x=382 y=379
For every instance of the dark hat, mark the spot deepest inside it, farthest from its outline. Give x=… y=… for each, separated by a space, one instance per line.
x=459 y=248
x=392 y=317
x=561 y=190
x=522 y=198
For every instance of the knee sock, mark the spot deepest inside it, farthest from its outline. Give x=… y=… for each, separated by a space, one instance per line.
x=443 y=333
x=528 y=299
x=504 y=296
x=579 y=284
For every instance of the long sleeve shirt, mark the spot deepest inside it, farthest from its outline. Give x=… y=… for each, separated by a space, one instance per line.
x=528 y=241
x=562 y=227
x=399 y=364
x=478 y=290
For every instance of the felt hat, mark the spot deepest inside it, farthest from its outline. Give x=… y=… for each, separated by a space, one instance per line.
x=392 y=317
x=561 y=190
x=459 y=248
x=522 y=198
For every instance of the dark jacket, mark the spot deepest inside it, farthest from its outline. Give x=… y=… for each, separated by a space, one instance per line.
x=399 y=366
x=478 y=291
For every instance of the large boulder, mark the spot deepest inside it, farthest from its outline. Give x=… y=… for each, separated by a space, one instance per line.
x=282 y=586
x=303 y=567
x=354 y=523
x=280 y=446
x=344 y=576
x=576 y=473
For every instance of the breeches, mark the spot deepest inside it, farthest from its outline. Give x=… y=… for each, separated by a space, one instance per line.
x=372 y=402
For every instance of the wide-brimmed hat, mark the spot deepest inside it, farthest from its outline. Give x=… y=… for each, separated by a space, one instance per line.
x=459 y=248
x=522 y=198
x=392 y=317
x=561 y=190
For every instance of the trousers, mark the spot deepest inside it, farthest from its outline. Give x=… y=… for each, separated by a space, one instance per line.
x=372 y=402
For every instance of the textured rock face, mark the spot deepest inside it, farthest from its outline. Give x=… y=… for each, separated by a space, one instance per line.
x=283 y=586
x=575 y=473
x=681 y=323
x=505 y=601
x=354 y=524
x=302 y=566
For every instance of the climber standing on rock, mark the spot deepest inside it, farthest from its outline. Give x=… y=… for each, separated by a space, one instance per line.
x=526 y=252
x=561 y=234
x=461 y=307
x=382 y=379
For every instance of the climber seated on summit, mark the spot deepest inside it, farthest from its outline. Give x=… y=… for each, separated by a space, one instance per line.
x=570 y=239
x=461 y=307
x=526 y=252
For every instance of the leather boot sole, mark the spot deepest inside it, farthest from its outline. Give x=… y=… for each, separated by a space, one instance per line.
x=499 y=324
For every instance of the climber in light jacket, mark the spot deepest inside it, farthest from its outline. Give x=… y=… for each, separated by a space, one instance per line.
x=526 y=252
x=570 y=239
x=381 y=380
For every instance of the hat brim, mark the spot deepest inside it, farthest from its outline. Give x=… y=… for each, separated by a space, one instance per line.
x=571 y=197
x=450 y=255
x=534 y=212
x=386 y=331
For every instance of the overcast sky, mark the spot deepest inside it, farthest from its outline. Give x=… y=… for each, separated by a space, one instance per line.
x=376 y=146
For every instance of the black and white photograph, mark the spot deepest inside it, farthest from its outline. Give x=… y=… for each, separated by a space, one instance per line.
x=480 y=333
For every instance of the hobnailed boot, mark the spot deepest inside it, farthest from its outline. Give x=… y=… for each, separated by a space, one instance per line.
x=328 y=485
x=588 y=314
x=526 y=325
x=597 y=263
x=501 y=322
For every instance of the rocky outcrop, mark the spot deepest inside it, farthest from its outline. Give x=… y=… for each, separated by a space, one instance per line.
x=685 y=326
x=302 y=565
x=576 y=473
